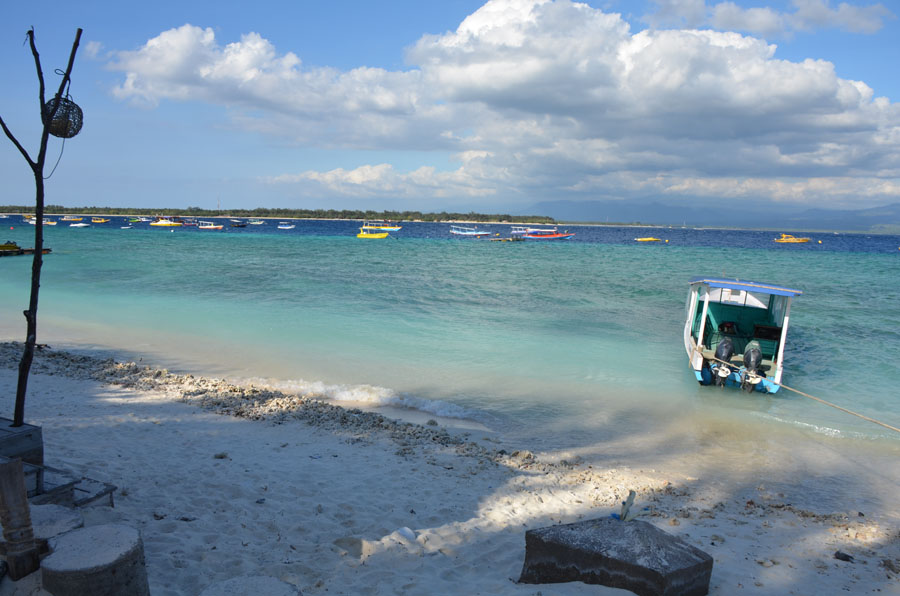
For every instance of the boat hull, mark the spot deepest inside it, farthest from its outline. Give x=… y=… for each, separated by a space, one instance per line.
x=735 y=324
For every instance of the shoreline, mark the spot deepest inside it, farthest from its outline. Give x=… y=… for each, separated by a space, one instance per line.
x=223 y=479
x=511 y=223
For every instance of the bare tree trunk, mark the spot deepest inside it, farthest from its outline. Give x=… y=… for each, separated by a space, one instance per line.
x=37 y=167
x=31 y=313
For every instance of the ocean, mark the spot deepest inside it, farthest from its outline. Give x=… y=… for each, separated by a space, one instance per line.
x=560 y=344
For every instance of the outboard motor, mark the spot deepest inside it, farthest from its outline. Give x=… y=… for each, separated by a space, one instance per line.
x=752 y=361
x=724 y=352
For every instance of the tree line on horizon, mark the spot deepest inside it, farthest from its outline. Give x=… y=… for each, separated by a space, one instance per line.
x=287 y=213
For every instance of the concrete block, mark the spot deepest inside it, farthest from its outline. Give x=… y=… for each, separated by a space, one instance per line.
x=106 y=560
x=634 y=555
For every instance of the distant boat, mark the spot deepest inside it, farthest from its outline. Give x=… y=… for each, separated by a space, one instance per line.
x=237 y=223
x=286 y=226
x=546 y=234
x=367 y=233
x=381 y=225
x=191 y=222
x=787 y=238
x=47 y=221
x=165 y=222
x=79 y=225
x=128 y=227
x=648 y=239
x=8 y=249
x=209 y=225
x=735 y=332
x=99 y=220
x=70 y=218
x=467 y=232
x=256 y=222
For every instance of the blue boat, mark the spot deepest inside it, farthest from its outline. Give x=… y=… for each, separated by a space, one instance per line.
x=735 y=332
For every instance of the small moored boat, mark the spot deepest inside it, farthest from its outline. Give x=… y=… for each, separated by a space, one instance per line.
x=286 y=225
x=166 y=222
x=9 y=249
x=79 y=225
x=99 y=220
x=46 y=221
x=70 y=218
x=382 y=226
x=369 y=234
x=788 y=239
x=209 y=225
x=547 y=234
x=735 y=332
x=467 y=232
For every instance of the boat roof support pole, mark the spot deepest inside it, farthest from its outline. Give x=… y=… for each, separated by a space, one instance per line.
x=784 y=327
x=702 y=322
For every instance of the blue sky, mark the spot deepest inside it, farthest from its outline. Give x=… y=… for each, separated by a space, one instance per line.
x=461 y=105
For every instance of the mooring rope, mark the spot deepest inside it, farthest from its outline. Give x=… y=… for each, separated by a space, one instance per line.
x=813 y=397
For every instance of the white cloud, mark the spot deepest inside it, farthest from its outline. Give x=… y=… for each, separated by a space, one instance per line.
x=542 y=98
x=807 y=15
x=814 y=14
x=93 y=50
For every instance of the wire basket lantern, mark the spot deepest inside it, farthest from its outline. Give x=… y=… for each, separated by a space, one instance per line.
x=67 y=120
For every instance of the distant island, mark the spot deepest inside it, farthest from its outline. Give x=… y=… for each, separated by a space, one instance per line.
x=286 y=214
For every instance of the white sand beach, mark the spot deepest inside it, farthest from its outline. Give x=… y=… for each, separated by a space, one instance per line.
x=224 y=481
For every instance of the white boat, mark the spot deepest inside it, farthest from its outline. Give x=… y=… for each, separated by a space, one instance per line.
x=256 y=222
x=735 y=332
x=286 y=226
x=47 y=221
x=380 y=226
x=467 y=232
x=79 y=225
x=209 y=225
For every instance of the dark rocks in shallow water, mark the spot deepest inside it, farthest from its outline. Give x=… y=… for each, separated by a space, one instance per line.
x=634 y=555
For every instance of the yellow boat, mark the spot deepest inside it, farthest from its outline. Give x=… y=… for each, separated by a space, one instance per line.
x=99 y=220
x=374 y=236
x=787 y=238
x=648 y=239
x=166 y=221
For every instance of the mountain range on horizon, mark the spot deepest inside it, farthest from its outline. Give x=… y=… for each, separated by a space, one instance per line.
x=883 y=219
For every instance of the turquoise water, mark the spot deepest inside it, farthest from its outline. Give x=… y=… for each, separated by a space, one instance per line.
x=561 y=343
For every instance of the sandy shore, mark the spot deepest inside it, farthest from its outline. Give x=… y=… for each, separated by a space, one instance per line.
x=224 y=480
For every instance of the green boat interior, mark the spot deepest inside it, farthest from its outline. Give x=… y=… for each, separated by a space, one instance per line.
x=742 y=325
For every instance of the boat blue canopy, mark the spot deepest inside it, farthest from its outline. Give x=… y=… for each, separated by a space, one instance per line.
x=743 y=284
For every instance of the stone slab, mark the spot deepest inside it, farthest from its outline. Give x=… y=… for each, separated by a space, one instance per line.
x=634 y=555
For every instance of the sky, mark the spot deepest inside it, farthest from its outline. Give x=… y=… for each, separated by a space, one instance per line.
x=460 y=105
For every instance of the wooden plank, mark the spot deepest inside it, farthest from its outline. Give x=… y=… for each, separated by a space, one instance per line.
x=21 y=550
